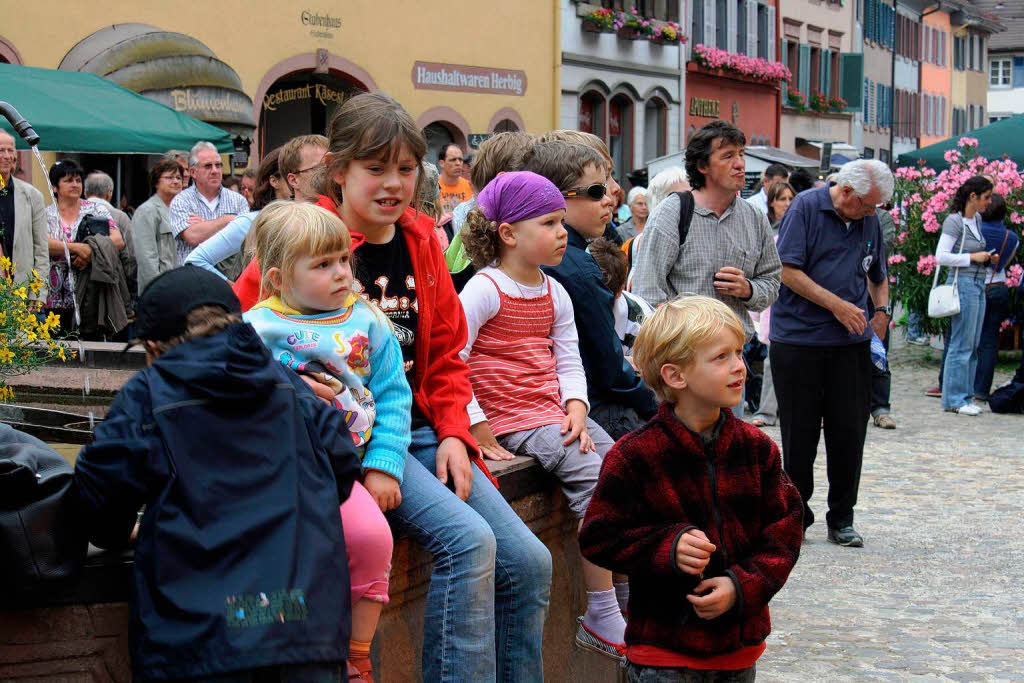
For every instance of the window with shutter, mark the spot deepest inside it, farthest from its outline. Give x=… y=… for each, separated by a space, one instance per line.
x=771 y=34
x=722 y=24
x=869 y=20
x=751 y=28
x=823 y=72
x=851 y=75
x=867 y=97
x=709 y=22
x=762 y=31
x=740 y=8
x=804 y=71
x=731 y=25
x=1018 y=72
x=697 y=23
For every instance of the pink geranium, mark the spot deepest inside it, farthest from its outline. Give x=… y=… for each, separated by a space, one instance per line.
x=897 y=258
x=926 y=265
x=1013 y=275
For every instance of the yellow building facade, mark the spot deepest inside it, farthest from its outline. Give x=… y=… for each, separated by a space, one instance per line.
x=266 y=71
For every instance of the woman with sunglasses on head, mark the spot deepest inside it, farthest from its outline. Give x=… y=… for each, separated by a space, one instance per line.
x=270 y=185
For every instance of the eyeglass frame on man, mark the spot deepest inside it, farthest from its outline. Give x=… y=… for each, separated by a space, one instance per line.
x=589 y=192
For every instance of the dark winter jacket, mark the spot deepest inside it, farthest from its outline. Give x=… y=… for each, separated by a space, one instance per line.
x=240 y=561
x=660 y=481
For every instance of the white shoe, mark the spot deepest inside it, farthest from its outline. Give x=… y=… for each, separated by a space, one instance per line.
x=969 y=409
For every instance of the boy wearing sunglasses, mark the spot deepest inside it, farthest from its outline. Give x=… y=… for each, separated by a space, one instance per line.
x=619 y=400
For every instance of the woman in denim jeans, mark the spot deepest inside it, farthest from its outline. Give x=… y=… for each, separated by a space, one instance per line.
x=962 y=248
x=997 y=294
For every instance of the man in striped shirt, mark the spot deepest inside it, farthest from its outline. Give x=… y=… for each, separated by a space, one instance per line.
x=199 y=212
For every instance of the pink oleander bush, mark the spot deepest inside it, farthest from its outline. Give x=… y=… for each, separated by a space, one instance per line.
x=923 y=199
x=755 y=67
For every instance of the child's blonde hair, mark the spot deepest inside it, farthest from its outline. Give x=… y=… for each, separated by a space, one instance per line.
x=286 y=231
x=673 y=334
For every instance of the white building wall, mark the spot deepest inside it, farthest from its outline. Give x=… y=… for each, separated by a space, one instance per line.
x=1005 y=101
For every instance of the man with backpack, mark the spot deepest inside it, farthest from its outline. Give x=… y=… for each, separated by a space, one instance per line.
x=710 y=241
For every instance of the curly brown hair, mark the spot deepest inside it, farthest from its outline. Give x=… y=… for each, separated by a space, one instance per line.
x=480 y=239
x=612 y=261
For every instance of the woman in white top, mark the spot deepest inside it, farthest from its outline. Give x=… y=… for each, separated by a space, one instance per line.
x=962 y=248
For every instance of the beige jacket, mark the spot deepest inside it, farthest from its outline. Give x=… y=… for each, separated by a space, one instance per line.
x=31 y=248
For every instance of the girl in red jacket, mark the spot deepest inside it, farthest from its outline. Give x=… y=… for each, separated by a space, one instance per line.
x=489 y=588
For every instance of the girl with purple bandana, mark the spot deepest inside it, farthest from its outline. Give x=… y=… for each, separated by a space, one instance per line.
x=529 y=387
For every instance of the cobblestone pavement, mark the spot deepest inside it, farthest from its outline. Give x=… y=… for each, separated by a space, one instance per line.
x=937 y=591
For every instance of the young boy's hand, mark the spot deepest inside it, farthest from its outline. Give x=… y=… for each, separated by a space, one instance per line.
x=489 y=445
x=718 y=601
x=693 y=552
x=574 y=425
x=384 y=488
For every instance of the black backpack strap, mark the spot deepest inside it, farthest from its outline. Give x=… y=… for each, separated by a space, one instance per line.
x=685 y=215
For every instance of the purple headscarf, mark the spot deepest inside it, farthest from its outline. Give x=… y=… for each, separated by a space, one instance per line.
x=517 y=196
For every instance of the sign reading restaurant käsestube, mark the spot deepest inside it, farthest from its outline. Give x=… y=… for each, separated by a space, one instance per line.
x=461 y=78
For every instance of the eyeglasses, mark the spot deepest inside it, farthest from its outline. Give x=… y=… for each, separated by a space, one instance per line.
x=594 y=192
x=311 y=168
x=210 y=166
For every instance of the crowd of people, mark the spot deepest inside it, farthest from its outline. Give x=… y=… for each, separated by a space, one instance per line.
x=355 y=329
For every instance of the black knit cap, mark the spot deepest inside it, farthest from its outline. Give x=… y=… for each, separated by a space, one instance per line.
x=163 y=308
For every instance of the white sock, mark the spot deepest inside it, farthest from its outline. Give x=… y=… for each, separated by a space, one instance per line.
x=622 y=595
x=603 y=616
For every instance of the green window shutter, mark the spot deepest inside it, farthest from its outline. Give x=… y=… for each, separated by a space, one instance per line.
x=804 y=76
x=869 y=17
x=784 y=47
x=851 y=78
x=826 y=72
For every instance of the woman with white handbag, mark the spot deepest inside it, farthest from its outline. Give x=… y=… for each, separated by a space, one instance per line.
x=962 y=249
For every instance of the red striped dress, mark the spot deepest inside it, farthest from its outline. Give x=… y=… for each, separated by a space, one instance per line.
x=512 y=365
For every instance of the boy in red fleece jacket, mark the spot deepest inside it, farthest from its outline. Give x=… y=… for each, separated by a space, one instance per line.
x=695 y=507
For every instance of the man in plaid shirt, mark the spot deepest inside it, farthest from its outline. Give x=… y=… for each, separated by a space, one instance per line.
x=729 y=253
x=199 y=212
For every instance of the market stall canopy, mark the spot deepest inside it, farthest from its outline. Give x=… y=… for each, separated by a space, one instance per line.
x=994 y=140
x=81 y=112
x=760 y=157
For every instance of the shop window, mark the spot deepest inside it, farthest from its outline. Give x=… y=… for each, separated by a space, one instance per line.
x=592 y=114
x=655 y=128
x=620 y=135
x=506 y=126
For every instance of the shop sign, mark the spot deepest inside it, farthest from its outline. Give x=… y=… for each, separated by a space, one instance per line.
x=460 y=78
x=318 y=91
x=706 y=108
x=320 y=23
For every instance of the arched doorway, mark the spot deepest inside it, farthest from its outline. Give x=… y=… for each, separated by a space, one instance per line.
x=620 y=135
x=438 y=137
x=592 y=114
x=300 y=103
x=506 y=126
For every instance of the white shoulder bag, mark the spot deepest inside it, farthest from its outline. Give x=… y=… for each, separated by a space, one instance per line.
x=944 y=300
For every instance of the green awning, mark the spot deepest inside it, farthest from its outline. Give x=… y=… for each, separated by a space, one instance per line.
x=82 y=112
x=994 y=140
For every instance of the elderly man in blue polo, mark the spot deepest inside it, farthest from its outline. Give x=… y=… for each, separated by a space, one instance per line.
x=834 y=293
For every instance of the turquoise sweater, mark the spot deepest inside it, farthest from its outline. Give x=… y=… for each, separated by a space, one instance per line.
x=363 y=339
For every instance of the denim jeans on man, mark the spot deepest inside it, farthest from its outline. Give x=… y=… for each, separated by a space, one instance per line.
x=961 y=362
x=997 y=307
x=489 y=589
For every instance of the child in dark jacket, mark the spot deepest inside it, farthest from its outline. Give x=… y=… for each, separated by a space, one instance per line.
x=240 y=562
x=695 y=506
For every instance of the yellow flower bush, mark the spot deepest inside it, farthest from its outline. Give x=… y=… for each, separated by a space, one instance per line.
x=25 y=341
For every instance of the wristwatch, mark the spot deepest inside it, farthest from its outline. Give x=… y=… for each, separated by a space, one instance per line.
x=884 y=309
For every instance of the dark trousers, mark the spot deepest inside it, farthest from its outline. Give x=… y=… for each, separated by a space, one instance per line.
x=997 y=307
x=881 y=384
x=638 y=673
x=830 y=383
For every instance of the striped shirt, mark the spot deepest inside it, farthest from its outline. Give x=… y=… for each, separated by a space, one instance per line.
x=189 y=201
x=741 y=238
x=522 y=352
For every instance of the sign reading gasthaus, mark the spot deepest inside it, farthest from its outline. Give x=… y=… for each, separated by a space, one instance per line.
x=434 y=76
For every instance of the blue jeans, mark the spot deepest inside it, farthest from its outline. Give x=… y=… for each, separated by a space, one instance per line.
x=961 y=361
x=914 y=325
x=997 y=307
x=491 y=580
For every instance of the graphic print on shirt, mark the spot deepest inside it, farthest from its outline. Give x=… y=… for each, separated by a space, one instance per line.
x=354 y=351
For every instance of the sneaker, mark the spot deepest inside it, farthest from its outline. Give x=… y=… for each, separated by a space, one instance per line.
x=588 y=640
x=934 y=392
x=885 y=421
x=846 y=536
x=968 y=409
x=919 y=341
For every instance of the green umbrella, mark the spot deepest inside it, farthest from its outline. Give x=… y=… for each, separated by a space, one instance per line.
x=82 y=112
x=994 y=140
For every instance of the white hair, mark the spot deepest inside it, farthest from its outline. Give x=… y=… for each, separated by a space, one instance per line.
x=863 y=174
x=634 y=193
x=202 y=145
x=657 y=189
x=98 y=184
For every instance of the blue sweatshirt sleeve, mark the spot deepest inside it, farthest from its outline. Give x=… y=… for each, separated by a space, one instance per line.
x=113 y=472
x=610 y=377
x=389 y=442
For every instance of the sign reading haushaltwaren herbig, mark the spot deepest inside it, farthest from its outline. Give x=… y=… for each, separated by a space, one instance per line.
x=461 y=78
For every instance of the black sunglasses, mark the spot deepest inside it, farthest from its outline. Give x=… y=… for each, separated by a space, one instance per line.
x=595 y=192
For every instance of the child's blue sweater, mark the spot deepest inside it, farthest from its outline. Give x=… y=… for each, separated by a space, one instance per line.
x=352 y=341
